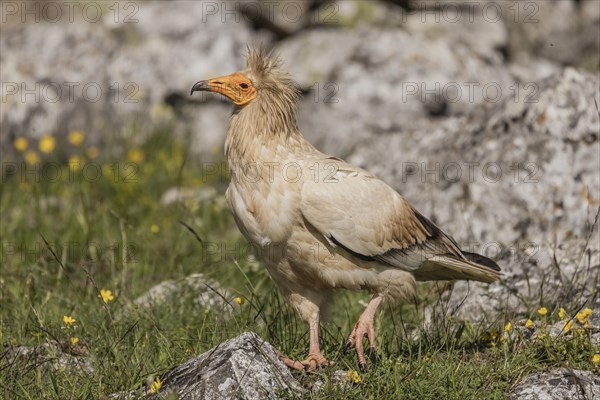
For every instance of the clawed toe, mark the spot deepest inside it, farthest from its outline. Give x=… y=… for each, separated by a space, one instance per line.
x=362 y=329
x=312 y=362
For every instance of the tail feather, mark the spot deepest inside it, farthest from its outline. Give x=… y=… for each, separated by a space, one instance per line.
x=481 y=260
x=451 y=268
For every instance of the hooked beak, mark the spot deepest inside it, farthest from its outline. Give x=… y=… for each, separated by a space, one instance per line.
x=235 y=87
x=201 y=86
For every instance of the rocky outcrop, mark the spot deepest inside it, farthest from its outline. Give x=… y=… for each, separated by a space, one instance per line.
x=558 y=384
x=384 y=82
x=245 y=367
x=533 y=198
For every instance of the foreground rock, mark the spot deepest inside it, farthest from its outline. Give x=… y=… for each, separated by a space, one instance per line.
x=245 y=367
x=558 y=384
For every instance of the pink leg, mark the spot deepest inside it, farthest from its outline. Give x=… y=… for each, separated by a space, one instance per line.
x=363 y=327
x=315 y=358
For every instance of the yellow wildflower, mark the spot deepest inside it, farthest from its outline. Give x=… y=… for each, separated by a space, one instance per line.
x=588 y=311
x=596 y=358
x=92 y=152
x=32 y=157
x=76 y=138
x=156 y=384
x=74 y=341
x=135 y=156
x=562 y=313
x=21 y=144
x=568 y=325
x=154 y=228
x=543 y=311
x=583 y=315
x=507 y=327
x=106 y=295
x=68 y=320
x=529 y=324
x=353 y=376
x=240 y=300
x=47 y=144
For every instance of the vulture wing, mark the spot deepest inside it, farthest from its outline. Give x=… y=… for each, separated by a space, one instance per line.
x=364 y=216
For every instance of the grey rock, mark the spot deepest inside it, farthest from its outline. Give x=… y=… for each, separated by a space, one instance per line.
x=538 y=136
x=558 y=384
x=206 y=294
x=564 y=31
x=104 y=77
x=537 y=219
x=245 y=367
x=384 y=81
x=472 y=26
x=59 y=357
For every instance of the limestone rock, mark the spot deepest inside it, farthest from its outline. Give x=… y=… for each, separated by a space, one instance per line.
x=383 y=82
x=245 y=367
x=564 y=31
x=517 y=181
x=558 y=384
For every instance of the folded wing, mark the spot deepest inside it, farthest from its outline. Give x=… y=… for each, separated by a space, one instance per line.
x=364 y=216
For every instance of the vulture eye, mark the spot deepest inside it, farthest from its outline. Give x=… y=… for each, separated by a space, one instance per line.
x=244 y=85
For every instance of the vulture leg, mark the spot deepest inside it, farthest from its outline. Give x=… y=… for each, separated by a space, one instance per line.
x=315 y=358
x=363 y=327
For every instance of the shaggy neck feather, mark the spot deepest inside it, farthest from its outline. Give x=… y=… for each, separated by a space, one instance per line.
x=269 y=120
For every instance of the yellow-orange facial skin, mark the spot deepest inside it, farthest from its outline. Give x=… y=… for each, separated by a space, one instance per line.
x=236 y=87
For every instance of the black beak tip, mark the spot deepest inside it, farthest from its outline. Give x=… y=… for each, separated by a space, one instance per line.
x=198 y=86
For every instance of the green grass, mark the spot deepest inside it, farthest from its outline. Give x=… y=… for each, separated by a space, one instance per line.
x=102 y=237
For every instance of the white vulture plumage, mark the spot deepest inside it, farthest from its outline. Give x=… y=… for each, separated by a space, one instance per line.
x=319 y=223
